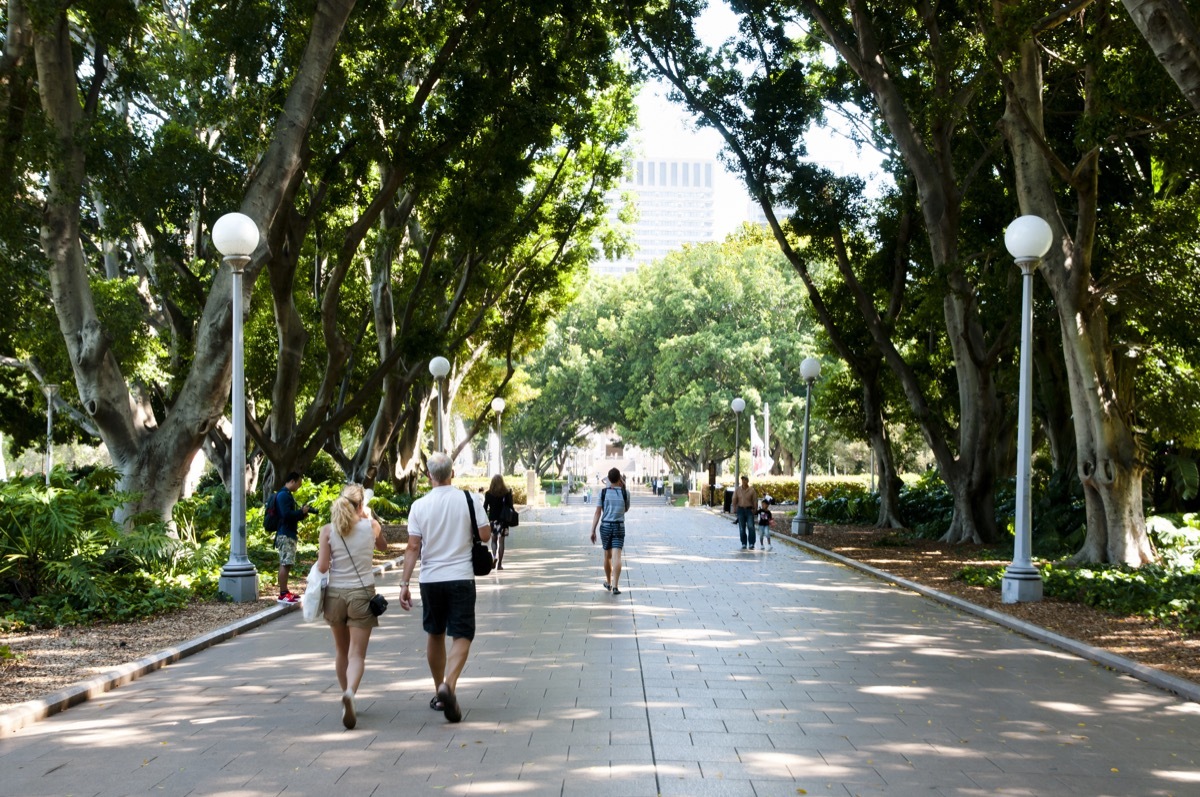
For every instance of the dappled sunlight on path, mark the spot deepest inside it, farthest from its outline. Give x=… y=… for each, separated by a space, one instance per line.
x=716 y=671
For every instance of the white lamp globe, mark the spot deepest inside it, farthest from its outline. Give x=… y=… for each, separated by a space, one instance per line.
x=498 y=404
x=737 y=405
x=1028 y=238
x=810 y=369
x=439 y=367
x=235 y=234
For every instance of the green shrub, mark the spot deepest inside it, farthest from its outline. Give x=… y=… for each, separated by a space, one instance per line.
x=1170 y=595
x=927 y=505
x=1176 y=538
x=324 y=470
x=786 y=489
x=64 y=561
x=848 y=503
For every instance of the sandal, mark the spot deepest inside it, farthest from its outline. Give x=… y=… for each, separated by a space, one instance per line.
x=435 y=703
x=449 y=704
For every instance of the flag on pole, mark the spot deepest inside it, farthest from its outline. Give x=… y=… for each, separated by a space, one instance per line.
x=760 y=457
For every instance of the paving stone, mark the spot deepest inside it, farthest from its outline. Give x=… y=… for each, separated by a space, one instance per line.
x=826 y=683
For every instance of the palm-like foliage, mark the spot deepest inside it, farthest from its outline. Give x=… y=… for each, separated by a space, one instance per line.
x=64 y=559
x=53 y=538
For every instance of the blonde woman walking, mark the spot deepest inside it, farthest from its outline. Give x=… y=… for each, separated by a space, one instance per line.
x=345 y=552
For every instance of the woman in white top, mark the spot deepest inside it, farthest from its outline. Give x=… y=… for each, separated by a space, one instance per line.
x=345 y=553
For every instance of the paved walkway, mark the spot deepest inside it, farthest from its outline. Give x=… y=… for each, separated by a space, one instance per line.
x=717 y=672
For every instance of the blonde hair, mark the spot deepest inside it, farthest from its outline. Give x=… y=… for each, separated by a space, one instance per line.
x=347 y=509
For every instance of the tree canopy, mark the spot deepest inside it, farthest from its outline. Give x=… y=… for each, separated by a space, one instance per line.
x=427 y=180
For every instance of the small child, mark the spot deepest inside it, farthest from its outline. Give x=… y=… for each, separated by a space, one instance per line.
x=764 y=525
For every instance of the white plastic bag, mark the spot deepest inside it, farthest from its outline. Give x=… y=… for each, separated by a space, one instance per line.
x=313 y=599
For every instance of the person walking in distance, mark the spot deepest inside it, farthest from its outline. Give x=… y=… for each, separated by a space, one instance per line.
x=344 y=552
x=286 y=537
x=497 y=501
x=439 y=535
x=745 y=500
x=610 y=517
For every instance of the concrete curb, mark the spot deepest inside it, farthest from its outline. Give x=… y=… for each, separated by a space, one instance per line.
x=1170 y=683
x=31 y=711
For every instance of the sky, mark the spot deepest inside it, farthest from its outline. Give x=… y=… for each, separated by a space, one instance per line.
x=668 y=133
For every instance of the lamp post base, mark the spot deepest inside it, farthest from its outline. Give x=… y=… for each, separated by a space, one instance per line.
x=801 y=526
x=1021 y=585
x=241 y=585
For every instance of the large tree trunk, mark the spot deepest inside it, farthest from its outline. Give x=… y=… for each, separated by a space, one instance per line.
x=1168 y=29
x=967 y=468
x=1109 y=466
x=1052 y=399
x=153 y=458
x=881 y=452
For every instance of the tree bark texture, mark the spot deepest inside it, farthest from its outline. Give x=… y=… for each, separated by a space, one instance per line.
x=1169 y=30
x=153 y=457
x=1109 y=465
x=968 y=468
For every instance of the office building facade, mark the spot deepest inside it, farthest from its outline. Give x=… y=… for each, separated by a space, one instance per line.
x=675 y=201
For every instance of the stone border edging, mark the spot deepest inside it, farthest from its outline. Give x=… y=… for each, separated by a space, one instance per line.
x=1150 y=675
x=31 y=711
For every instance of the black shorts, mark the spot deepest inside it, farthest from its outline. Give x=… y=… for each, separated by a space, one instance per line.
x=448 y=607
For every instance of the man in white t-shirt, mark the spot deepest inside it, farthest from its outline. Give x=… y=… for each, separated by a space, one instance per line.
x=439 y=534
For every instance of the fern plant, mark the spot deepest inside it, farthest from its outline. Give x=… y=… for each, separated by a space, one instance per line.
x=51 y=537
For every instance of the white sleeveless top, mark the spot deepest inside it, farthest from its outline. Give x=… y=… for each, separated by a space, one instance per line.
x=361 y=542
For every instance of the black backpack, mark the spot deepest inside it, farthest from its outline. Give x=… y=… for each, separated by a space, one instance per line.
x=271 y=516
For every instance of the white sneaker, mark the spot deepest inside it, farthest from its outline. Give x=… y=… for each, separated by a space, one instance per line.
x=349 y=717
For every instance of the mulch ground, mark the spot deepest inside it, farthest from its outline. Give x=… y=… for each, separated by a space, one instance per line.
x=46 y=661
x=934 y=565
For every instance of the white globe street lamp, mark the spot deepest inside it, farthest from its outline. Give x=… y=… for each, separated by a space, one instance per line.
x=236 y=237
x=439 y=367
x=737 y=405
x=51 y=391
x=810 y=370
x=498 y=408
x=1027 y=239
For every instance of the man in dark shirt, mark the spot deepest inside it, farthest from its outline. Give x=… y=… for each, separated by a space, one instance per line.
x=290 y=516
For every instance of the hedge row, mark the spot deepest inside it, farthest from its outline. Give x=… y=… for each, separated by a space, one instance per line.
x=785 y=489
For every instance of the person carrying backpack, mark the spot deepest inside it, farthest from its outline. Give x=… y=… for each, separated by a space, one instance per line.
x=610 y=517
x=287 y=533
